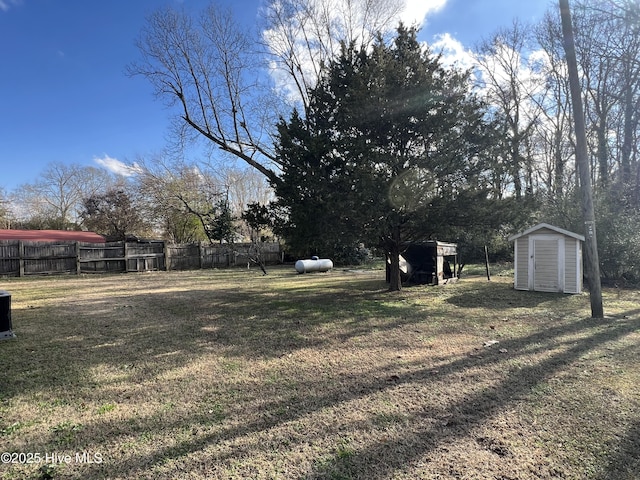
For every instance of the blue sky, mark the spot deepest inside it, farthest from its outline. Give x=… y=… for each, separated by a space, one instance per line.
x=65 y=96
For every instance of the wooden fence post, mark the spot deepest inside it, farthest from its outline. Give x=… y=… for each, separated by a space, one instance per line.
x=21 y=258
x=167 y=256
x=486 y=262
x=77 y=258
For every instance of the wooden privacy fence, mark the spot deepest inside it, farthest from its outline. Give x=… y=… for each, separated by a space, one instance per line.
x=21 y=258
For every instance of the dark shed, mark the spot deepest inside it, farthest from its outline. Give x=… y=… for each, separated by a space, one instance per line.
x=430 y=262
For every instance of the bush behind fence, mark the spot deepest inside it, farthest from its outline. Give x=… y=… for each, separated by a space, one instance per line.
x=22 y=258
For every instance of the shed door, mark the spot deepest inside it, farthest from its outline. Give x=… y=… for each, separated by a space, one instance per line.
x=546 y=265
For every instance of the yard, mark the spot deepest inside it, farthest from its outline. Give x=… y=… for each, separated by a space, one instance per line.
x=221 y=374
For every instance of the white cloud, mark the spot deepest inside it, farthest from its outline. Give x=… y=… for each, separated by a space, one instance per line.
x=116 y=166
x=5 y=5
x=415 y=11
x=453 y=52
x=505 y=62
x=357 y=20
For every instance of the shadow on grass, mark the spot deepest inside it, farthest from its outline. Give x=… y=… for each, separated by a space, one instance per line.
x=185 y=325
x=624 y=461
x=476 y=409
x=461 y=417
x=145 y=333
x=501 y=298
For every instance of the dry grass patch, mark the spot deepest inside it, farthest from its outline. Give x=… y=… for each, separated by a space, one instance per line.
x=229 y=374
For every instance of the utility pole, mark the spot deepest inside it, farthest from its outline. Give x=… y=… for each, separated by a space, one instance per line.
x=592 y=264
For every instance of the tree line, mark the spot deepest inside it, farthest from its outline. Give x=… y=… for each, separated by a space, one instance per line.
x=367 y=137
x=173 y=201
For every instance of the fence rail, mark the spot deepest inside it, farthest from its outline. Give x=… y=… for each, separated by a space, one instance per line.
x=22 y=258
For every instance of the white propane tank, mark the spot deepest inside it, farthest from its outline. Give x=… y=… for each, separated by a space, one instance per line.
x=314 y=265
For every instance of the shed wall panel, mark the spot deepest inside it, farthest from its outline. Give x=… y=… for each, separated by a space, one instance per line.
x=571 y=266
x=522 y=261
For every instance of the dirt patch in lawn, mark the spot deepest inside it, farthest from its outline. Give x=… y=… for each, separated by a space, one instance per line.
x=231 y=374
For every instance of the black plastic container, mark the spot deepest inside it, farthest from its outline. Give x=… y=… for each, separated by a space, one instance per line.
x=5 y=315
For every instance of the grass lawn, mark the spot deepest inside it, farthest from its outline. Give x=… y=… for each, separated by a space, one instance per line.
x=234 y=375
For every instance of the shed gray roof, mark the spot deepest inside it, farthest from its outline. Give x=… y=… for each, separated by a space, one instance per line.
x=550 y=227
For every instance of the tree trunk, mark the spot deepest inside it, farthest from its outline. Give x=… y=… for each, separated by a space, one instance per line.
x=395 y=282
x=628 y=131
x=558 y=182
x=603 y=154
x=592 y=269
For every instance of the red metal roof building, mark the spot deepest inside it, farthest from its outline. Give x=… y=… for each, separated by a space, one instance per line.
x=51 y=236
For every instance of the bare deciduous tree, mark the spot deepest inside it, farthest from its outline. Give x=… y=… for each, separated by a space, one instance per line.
x=554 y=132
x=55 y=198
x=304 y=35
x=508 y=83
x=595 y=38
x=626 y=51
x=5 y=212
x=178 y=197
x=222 y=78
x=181 y=196
x=209 y=68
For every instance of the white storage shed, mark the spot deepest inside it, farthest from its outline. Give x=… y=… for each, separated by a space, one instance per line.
x=548 y=259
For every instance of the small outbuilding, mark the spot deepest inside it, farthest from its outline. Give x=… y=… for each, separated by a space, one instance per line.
x=548 y=259
x=430 y=262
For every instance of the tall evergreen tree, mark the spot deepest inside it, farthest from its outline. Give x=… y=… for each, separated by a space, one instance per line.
x=392 y=145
